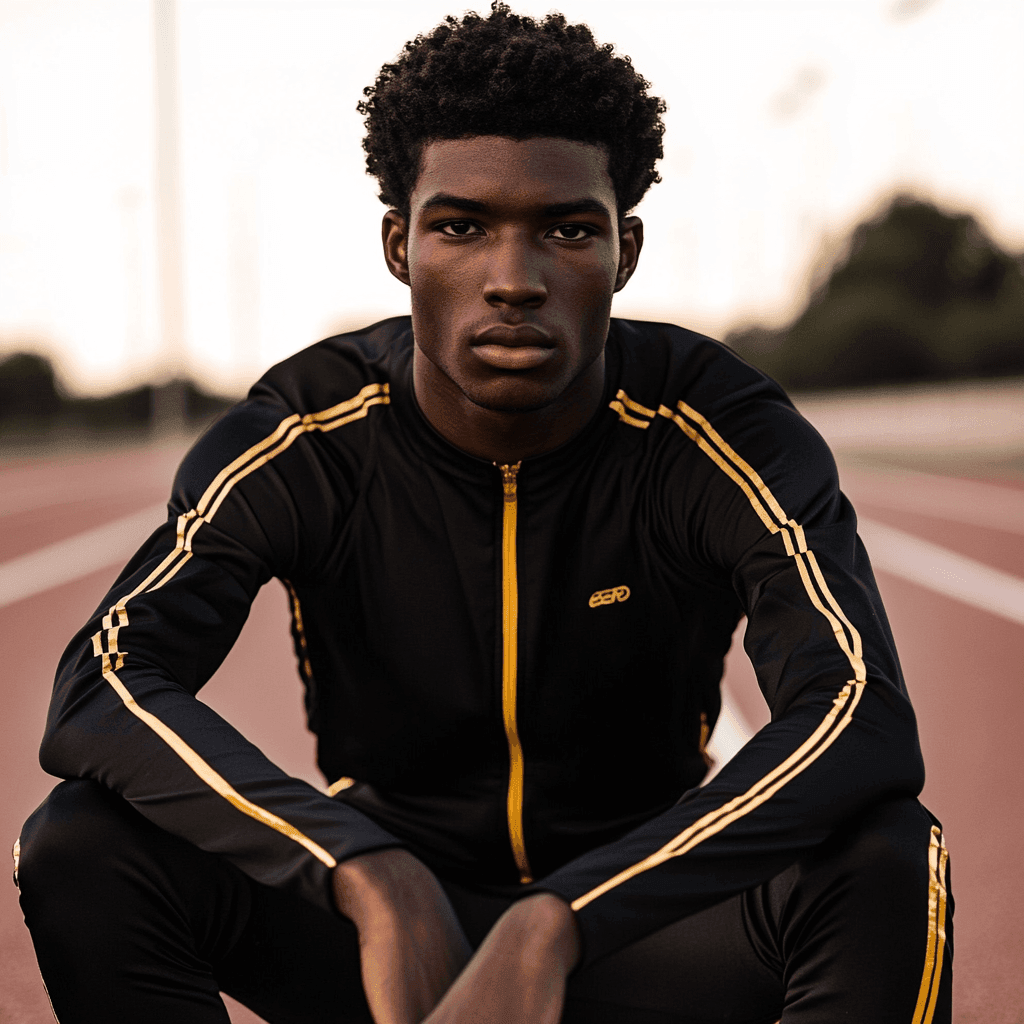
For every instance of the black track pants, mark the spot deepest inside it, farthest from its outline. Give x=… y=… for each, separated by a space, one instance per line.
x=131 y=924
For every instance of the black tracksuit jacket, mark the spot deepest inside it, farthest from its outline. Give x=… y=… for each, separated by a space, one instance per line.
x=518 y=668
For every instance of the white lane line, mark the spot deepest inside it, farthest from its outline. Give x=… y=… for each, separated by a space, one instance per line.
x=71 y=559
x=943 y=571
x=942 y=497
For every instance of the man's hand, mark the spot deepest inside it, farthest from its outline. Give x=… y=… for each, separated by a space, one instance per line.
x=411 y=947
x=517 y=976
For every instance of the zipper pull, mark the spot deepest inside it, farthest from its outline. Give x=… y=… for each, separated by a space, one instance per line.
x=508 y=480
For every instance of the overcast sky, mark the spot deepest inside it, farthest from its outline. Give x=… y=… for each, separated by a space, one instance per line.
x=788 y=122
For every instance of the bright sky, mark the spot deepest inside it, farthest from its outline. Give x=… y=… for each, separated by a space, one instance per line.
x=788 y=122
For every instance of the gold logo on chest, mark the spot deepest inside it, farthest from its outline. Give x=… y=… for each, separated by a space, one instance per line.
x=609 y=596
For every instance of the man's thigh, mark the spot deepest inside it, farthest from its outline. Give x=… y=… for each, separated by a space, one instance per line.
x=707 y=960
x=859 y=928
x=132 y=923
x=808 y=938
x=295 y=964
x=700 y=970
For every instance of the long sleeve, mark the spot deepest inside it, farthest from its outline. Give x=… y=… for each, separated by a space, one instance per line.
x=248 y=504
x=762 y=510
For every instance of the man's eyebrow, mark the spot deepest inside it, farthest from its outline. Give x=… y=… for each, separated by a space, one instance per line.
x=579 y=206
x=587 y=205
x=458 y=202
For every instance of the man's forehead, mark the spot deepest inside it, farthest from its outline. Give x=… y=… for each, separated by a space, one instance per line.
x=540 y=172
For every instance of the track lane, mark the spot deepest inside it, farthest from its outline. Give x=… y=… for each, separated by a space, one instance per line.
x=962 y=668
x=58 y=563
x=951 y=500
x=944 y=571
x=25 y=532
x=961 y=665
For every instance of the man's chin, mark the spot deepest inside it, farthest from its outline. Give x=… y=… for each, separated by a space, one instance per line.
x=511 y=400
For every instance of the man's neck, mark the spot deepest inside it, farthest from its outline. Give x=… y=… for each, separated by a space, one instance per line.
x=505 y=437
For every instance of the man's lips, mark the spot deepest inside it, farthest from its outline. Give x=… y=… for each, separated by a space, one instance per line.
x=513 y=337
x=513 y=348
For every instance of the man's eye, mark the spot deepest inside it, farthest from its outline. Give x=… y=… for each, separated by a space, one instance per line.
x=460 y=228
x=572 y=232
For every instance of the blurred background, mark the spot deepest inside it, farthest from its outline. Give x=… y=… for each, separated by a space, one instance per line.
x=182 y=189
x=183 y=203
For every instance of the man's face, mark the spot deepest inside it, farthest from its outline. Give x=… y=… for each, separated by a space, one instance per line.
x=512 y=253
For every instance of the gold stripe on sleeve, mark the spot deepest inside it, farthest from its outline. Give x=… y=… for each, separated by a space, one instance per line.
x=763 y=790
x=311 y=421
x=836 y=614
x=105 y=642
x=267 y=442
x=340 y=784
x=699 y=430
x=858 y=648
x=211 y=777
x=635 y=406
x=626 y=418
x=369 y=395
x=726 y=449
x=622 y=402
x=853 y=654
x=168 y=576
x=728 y=470
x=837 y=629
x=374 y=394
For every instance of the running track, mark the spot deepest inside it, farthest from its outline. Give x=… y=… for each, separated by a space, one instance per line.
x=948 y=553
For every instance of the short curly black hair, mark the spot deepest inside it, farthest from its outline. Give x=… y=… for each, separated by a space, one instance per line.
x=512 y=76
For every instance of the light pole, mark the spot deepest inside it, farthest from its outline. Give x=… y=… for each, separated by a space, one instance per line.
x=168 y=410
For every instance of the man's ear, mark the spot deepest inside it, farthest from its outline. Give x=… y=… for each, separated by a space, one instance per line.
x=631 y=241
x=395 y=236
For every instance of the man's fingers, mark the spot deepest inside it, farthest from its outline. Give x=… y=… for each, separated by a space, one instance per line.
x=518 y=974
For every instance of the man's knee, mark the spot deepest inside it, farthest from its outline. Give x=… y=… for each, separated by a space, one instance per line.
x=868 y=913
x=881 y=880
x=86 y=851
x=893 y=848
x=69 y=831
x=86 y=847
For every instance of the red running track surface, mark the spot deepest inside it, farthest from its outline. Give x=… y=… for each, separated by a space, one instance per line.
x=962 y=667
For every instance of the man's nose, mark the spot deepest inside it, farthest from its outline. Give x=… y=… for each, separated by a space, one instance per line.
x=515 y=275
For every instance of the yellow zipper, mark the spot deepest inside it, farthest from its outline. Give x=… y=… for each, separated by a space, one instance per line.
x=510 y=643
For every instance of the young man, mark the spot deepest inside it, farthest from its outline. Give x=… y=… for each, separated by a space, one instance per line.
x=517 y=537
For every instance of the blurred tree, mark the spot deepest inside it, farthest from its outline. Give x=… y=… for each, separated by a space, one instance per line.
x=134 y=408
x=33 y=403
x=28 y=388
x=918 y=294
